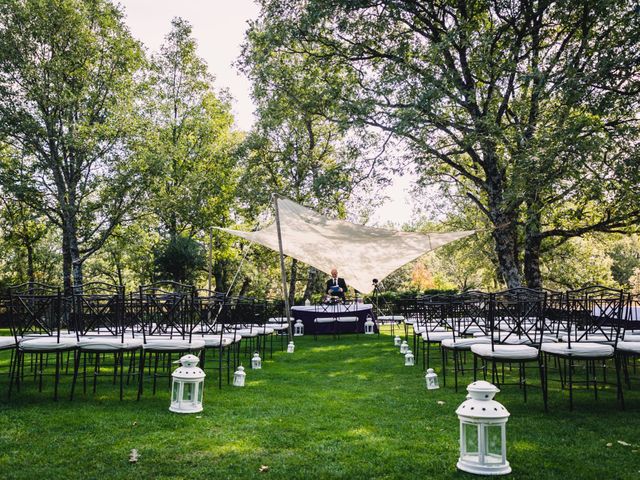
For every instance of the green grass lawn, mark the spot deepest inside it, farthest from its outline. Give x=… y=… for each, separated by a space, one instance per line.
x=337 y=408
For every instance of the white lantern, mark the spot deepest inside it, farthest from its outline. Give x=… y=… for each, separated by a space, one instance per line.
x=239 y=377
x=256 y=362
x=307 y=303
x=368 y=327
x=409 y=360
x=432 y=379
x=291 y=347
x=404 y=347
x=483 y=437
x=397 y=341
x=187 y=382
x=298 y=329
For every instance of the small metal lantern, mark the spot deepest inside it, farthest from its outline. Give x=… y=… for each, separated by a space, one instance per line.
x=187 y=383
x=256 y=361
x=432 y=379
x=409 y=359
x=368 y=326
x=404 y=347
x=239 y=377
x=397 y=341
x=291 y=347
x=298 y=329
x=483 y=437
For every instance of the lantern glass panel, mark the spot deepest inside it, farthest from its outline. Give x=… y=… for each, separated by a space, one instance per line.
x=200 y=385
x=176 y=392
x=187 y=393
x=493 y=442
x=471 y=438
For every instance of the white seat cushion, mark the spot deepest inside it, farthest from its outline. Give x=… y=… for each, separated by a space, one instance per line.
x=173 y=344
x=262 y=329
x=7 y=342
x=391 y=318
x=48 y=343
x=579 y=349
x=436 y=336
x=278 y=327
x=523 y=340
x=348 y=319
x=324 y=320
x=108 y=344
x=472 y=329
x=247 y=332
x=278 y=320
x=629 y=347
x=464 y=343
x=213 y=341
x=506 y=352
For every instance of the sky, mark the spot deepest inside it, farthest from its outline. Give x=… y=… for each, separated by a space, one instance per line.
x=218 y=27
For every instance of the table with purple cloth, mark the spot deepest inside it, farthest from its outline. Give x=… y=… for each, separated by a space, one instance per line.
x=309 y=313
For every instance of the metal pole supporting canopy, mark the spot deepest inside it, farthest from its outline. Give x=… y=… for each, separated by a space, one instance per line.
x=283 y=273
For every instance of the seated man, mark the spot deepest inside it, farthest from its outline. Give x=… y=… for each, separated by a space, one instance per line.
x=336 y=286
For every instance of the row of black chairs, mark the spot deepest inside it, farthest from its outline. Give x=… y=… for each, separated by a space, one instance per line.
x=588 y=329
x=141 y=331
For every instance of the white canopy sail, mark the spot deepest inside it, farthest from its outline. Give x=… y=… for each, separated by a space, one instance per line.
x=360 y=253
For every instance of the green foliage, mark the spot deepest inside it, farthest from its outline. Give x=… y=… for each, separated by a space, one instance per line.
x=625 y=254
x=529 y=109
x=190 y=145
x=67 y=103
x=179 y=259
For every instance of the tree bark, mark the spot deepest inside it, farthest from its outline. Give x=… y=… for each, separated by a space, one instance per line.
x=532 y=245
x=244 y=287
x=31 y=275
x=66 y=261
x=506 y=245
x=312 y=279
x=503 y=216
x=219 y=273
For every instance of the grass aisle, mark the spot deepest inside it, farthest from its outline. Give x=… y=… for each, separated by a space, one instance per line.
x=344 y=408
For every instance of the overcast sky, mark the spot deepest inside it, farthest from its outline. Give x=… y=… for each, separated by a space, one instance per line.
x=219 y=26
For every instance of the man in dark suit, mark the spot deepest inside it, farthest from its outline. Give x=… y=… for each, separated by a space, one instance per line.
x=336 y=286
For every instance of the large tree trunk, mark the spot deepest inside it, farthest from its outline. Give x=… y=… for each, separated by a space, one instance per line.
x=312 y=280
x=506 y=247
x=292 y=281
x=66 y=261
x=503 y=216
x=532 y=245
x=31 y=275
x=244 y=288
x=220 y=274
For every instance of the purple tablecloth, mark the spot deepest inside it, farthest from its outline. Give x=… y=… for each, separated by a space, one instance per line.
x=308 y=313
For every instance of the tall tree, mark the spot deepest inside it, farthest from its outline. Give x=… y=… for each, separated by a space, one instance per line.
x=529 y=106
x=192 y=146
x=192 y=143
x=66 y=104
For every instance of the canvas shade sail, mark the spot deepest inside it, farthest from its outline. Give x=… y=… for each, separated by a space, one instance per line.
x=360 y=253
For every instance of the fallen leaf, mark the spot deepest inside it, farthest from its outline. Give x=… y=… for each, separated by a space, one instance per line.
x=609 y=444
x=625 y=444
x=440 y=402
x=133 y=456
x=198 y=416
x=263 y=468
x=135 y=423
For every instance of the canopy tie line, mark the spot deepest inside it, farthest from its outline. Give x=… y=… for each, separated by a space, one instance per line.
x=233 y=281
